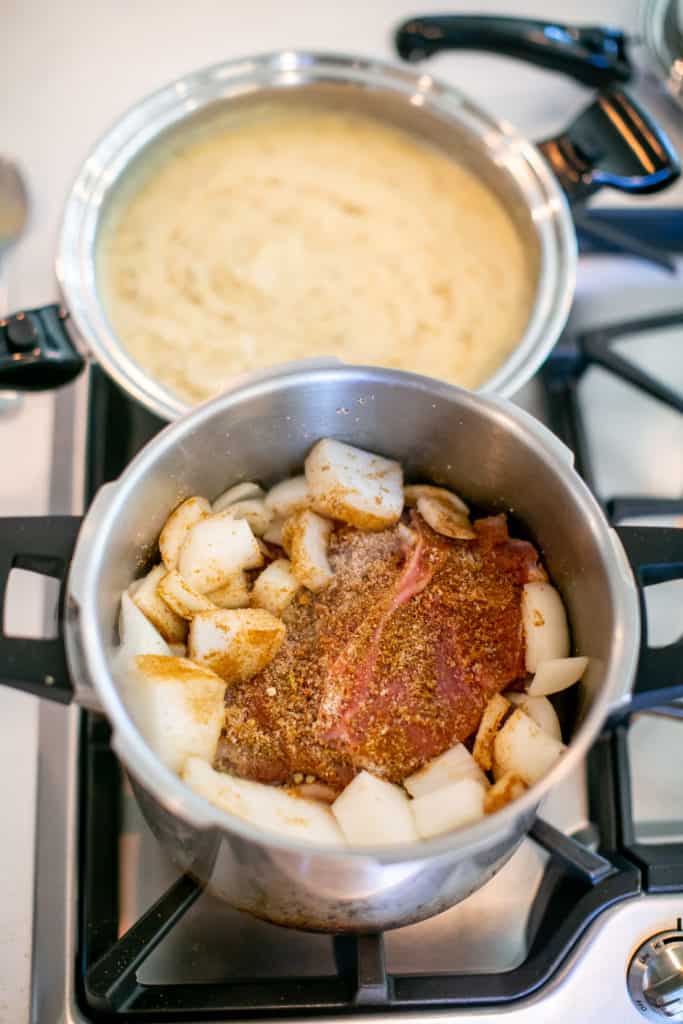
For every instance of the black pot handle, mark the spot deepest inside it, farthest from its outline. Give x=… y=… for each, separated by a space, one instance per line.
x=593 y=55
x=36 y=353
x=43 y=544
x=656 y=555
x=613 y=142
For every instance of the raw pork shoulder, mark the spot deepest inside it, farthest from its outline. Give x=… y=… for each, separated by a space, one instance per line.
x=392 y=663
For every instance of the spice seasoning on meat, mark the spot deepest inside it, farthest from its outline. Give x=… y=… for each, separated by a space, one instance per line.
x=392 y=663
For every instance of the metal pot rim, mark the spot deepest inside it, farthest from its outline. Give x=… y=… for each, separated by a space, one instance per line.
x=169 y=790
x=142 y=123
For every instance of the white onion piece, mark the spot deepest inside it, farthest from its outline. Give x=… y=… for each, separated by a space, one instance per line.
x=137 y=635
x=268 y=807
x=413 y=492
x=176 y=528
x=445 y=519
x=353 y=485
x=255 y=513
x=172 y=627
x=508 y=788
x=305 y=536
x=491 y=721
x=544 y=621
x=234 y=593
x=454 y=764
x=217 y=548
x=288 y=496
x=275 y=587
x=273 y=534
x=556 y=674
x=457 y=804
x=522 y=747
x=240 y=492
x=540 y=710
x=181 y=597
x=373 y=812
x=235 y=643
x=177 y=706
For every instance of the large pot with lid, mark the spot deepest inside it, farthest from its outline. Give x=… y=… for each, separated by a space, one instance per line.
x=486 y=448
x=611 y=143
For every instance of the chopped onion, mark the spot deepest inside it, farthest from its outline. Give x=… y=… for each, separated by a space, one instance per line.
x=176 y=528
x=181 y=597
x=172 y=627
x=556 y=674
x=240 y=492
x=353 y=485
x=268 y=807
x=288 y=496
x=413 y=492
x=235 y=643
x=454 y=764
x=540 y=710
x=522 y=747
x=275 y=587
x=544 y=621
x=305 y=536
x=508 y=788
x=373 y=812
x=177 y=706
x=491 y=721
x=457 y=804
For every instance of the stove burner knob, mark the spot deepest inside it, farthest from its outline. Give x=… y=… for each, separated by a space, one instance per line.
x=655 y=976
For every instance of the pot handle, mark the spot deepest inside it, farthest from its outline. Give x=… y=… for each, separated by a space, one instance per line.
x=613 y=142
x=656 y=556
x=36 y=352
x=43 y=544
x=593 y=55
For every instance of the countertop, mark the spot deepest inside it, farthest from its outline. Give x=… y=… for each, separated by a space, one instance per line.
x=68 y=70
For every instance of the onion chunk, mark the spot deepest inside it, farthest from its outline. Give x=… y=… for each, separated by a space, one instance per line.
x=373 y=812
x=235 y=644
x=145 y=594
x=556 y=674
x=457 y=804
x=180 y=521
x=267 y=807
x=353 y=485
x=451 y=766
x=177 y=706
x=524 y=748
x=544 y=621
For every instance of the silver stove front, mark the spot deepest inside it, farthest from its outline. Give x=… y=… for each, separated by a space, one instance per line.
x=637 y=448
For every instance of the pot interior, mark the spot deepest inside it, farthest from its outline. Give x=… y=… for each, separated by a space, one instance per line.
x=493 y=454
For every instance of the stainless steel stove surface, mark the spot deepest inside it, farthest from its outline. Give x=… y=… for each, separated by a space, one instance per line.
x=572 y=923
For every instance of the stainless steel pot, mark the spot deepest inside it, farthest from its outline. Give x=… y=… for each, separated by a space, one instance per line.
x=485 y=447
x=611 y=143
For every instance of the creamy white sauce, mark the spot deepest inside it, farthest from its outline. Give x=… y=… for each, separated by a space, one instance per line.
x=300 y=233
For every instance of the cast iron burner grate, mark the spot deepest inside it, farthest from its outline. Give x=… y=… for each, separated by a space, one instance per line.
x=579 y=881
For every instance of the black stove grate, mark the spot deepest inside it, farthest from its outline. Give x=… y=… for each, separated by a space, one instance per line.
x=580 y=881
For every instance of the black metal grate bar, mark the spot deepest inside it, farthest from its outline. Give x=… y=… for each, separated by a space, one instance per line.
x=597 y=346
x=111 y=982
x=373 y=983
x=635 y=507
x=661 y=864
x=588 y=866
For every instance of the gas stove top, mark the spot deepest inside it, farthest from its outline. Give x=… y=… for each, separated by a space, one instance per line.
x=119 y=936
